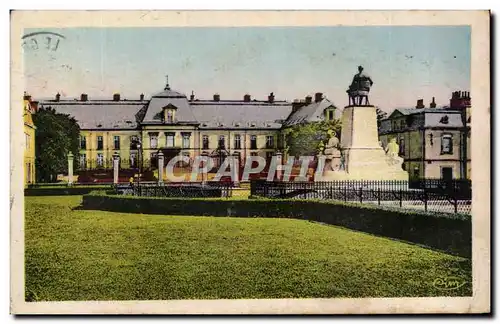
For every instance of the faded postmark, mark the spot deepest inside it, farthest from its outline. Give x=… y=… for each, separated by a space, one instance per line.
x=43 y=40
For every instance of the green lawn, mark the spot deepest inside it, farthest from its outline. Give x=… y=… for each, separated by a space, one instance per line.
x=95 y=255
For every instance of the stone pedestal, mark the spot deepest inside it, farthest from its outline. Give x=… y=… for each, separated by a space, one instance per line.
x=116 y=167
x=364 y=158
x=161 y=161
x=70 y=168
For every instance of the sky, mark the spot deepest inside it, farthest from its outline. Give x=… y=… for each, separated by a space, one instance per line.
x=405 y=62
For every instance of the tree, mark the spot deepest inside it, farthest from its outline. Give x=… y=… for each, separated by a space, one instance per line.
x=304 y=139
x=56 y=135
x=380 y=115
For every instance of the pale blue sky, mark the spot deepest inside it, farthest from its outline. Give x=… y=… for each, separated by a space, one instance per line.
x=406 y=63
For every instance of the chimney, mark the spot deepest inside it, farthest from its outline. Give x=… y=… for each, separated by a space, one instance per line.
x=116 y=97
x=420 y=104
x=433 y=103
x=216 y=97
x=141 y=97
x=460 y=100
x=296 y=105
x=318 y=97
x=270 y=98
x=84 y=97
x=191 y=98
x=58 y=97
x=308 y=100
x=246 y=98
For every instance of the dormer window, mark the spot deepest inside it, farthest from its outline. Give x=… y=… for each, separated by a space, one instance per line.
x=169 y=114
x=444 y=120
x=330 y=113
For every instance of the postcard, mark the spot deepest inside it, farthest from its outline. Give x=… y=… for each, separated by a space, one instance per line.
x=250 y=162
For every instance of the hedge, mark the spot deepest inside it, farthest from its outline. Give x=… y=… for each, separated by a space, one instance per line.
x=449 y=233
x=63 y=191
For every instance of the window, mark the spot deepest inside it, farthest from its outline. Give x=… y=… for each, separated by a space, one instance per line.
x=330 y=115
x=133 y=160
x=116 y=141
x=395 y=125
x=270 y=141
x=83 y=161
x=237 y=141
x=170 y=139
x=402 y=146
x=402 y=123
x=185 y=140
x=154 y=160
x=27 y=140
x=99 y=143
x=153 y=141
x=83 y=142
x=253 y=142
x=222 y=141
x=133 y=142
x=447 y=144
x=416 y=173
x=28 y=174
x=100 y=160
x=205 y=142
x=169 y=117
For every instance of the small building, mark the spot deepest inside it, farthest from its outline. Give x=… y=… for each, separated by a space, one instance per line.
x=434 y=142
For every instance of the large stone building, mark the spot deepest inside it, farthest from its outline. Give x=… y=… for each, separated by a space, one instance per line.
x=174 y=124
x=434 y=142
x=29 y=141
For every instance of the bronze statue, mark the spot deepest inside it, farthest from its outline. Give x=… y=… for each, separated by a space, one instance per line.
x=359 y=88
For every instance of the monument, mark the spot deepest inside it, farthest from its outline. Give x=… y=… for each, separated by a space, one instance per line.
x=359 y=155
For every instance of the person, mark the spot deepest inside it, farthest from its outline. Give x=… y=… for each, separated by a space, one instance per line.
x=360 y=87
x=362 y=80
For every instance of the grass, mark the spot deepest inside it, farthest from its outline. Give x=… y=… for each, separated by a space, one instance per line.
x=76 y=254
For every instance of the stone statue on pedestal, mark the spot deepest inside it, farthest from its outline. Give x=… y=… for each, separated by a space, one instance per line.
x=392 y=153
x=359 y=88
x=332 y=153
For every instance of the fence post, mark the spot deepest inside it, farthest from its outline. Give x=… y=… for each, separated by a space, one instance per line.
x=361 y=194
x=345 y=193
x=378 y=197
x=455 y=200
x=426 y=198
x=400 y=197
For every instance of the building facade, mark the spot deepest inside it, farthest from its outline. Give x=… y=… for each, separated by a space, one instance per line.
x=171 y=123
x=434 y=142
x=29 y=141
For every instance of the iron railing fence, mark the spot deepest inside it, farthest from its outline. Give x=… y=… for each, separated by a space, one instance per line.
x=431 y=195
x=178 y=189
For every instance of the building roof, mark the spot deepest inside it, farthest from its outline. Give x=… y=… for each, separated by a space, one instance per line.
x=432 y=117
x=311 y=113
x=100 y=114
x=154 y=110
x=411 y=111
x=240 y=114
